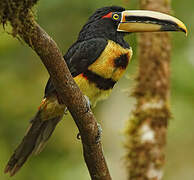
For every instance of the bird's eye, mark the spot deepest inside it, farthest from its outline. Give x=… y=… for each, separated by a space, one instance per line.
x=115 y=17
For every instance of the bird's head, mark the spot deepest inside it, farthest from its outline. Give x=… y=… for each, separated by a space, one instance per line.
x=113 y=20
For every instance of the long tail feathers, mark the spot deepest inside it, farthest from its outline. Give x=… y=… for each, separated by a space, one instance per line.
x=34 y=141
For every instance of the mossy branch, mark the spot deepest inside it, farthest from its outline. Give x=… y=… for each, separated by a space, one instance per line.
x=148 y=124
x=19 y=14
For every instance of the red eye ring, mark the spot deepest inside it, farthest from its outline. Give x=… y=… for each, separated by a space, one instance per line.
x=109 y=15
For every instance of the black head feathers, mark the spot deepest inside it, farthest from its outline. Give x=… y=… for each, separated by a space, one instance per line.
x=103 y=11
x=99 y=27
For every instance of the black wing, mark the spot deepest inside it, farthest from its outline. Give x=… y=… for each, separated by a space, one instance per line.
x=79 y=57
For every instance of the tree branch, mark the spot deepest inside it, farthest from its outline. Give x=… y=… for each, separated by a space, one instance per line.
x=18 y=13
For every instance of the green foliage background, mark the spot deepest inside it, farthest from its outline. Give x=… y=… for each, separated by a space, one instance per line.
x=22 y=81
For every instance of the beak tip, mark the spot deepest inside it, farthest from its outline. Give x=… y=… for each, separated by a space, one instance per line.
x=185 y=31
x=183 y=28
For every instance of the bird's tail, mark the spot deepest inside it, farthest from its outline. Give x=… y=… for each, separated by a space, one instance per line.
x=40 y=129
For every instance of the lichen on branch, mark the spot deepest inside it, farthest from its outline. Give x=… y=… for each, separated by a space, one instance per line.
x=18 y=13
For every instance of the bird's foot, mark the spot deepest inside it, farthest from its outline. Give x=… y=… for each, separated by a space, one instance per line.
x=98 y=137
x=99 y=134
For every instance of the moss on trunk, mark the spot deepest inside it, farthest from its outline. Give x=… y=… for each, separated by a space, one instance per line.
x=147 y=127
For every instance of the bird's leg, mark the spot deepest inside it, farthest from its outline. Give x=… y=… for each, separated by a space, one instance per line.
x=98 y=137
x=88 y=103
x=88 y=108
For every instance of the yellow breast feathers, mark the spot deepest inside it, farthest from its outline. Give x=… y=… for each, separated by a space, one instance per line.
x=112 y=62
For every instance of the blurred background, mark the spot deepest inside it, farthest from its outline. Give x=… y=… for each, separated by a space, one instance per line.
x=22 y=82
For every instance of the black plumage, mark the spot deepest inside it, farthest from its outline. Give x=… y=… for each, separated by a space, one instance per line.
x=121 y=61
x=100 y=82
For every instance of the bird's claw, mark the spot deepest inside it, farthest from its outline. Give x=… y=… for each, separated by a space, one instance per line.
x=78 y=136
x=99 y=134
x=98 y=137
x=66 y=111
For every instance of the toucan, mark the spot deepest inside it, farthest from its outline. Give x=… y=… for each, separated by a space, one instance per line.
x=97 y=60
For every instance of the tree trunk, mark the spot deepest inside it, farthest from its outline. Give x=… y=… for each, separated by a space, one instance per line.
x=148 y=124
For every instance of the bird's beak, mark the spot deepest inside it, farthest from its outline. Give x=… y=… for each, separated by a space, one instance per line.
x=149 y=21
